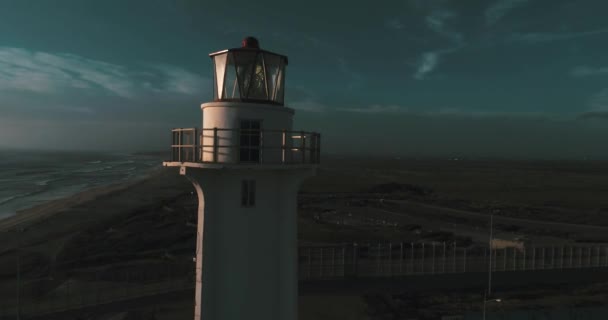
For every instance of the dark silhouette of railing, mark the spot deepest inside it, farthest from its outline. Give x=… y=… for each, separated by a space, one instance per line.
x=221 y=145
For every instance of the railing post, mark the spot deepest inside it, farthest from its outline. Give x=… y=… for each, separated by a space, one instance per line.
x=303 y=138
x=321 y=263
x=542 y=259
x=179 y=144
x=454 y=261
x=195 y=145
x=355 y=259
x=261 y=149
x=283 y=147
x=401 y=260
x=464 y=259
x=533 y=258
x=561 y=260
x=333 y=261
x=215 y=144
x=598 y=256
x=390 y=258
x=571 y=256
x=343 y=261
x=443 y=260
x=309 y=262
x=318 y=148
x=199 y=146
x=433 y=264
x=378 y=261
x=412 y=258
x=422 y=261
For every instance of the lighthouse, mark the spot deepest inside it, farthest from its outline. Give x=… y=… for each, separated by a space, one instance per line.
x=246 y=163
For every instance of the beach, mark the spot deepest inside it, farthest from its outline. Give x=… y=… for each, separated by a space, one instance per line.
x=45 y=230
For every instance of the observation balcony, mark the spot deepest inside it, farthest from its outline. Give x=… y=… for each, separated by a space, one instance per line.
x=245 y=146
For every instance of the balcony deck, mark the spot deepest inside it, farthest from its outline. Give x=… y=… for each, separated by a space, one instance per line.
x=244 y=147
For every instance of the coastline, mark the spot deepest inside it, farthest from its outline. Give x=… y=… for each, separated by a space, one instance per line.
x=25 y=217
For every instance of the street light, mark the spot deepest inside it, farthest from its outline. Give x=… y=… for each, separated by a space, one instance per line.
x=490 y=250
x=485 y=301
x=489 y=291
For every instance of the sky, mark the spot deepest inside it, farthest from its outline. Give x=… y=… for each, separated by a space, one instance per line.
x=475 y=78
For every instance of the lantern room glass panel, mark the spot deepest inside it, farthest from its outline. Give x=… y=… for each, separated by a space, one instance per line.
x=273 y=66
x=220 y=71
x=280 y=97
x=231 y=84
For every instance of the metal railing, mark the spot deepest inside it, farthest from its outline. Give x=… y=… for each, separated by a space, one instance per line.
x=221 y=145
x=410 y=259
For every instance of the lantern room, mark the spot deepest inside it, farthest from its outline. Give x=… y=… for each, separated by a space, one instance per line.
x=249 y=74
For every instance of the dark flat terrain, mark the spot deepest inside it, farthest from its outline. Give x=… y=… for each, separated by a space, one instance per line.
x=352 y=199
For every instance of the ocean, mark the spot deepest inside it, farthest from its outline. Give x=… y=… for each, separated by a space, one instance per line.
x=29 y=178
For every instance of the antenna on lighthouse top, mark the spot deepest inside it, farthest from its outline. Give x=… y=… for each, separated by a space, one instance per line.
x=250 y=43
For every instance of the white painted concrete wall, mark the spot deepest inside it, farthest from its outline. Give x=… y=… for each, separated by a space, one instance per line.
x=248 y=256
x=229 y=115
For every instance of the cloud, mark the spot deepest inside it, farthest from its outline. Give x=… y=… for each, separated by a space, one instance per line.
x=501 y=8
x=429 y=60
x=447 y=112
x=539 y=37
x=427 y=64
x=436 y=22
x=308 y=106
x=115 y=136
x=55 y=74
x=181 y=81
x=355 y=79
x=599 y=101
x=583 y=71
x=394 y=24
x=304 y=100
x=377 y=109
x=601 y=115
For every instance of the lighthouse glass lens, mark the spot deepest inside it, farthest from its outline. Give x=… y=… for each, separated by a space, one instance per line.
x=245 y=67
x=257 y=87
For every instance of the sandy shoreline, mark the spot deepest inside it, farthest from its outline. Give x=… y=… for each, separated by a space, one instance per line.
x=27 y=216
x=63 y=218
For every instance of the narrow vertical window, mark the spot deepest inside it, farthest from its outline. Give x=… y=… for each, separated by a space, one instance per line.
x=248 y=193
x=250 y=141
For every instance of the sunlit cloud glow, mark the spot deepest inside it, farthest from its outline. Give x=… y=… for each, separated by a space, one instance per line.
x=49 y=73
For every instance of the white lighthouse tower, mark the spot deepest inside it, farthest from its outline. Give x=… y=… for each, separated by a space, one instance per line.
x=246 y=164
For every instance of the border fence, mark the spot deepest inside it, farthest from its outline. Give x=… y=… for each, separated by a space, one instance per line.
x=406 y=259
x=75 y=291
